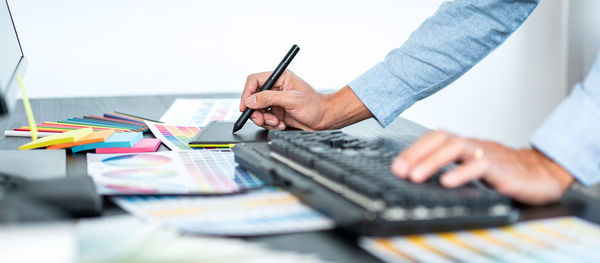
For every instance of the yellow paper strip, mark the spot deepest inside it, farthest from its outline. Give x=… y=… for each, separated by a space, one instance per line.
x=27 y=107
x=212 y=145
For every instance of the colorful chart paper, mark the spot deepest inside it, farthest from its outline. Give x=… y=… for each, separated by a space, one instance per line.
x=259 y=212
x=565 y=239
x=207 y=171
x=199 y=112
x=173 y=136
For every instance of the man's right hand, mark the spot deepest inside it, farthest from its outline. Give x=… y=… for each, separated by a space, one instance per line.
x=294 y=103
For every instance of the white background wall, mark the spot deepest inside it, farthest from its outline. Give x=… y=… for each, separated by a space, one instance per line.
x=120 y=47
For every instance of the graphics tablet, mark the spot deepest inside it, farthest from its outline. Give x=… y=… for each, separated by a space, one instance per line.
x=218 y=134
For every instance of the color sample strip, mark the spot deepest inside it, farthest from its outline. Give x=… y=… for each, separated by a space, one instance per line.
x=173 y=136
x=134 y=117
x=66 y=137
x=121 y=140
x=90 y=124
x=85 y=121
x=265 y=211
x=144 y=145
x=94 y=137
x=113 y=120
x=121 y=124
x=61 y=127
x=123 y=117
x=565 y=239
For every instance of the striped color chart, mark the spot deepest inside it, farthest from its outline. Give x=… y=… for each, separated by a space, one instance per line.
x=173 y=136
x=565 y=239
x=212 y=169
x=260 y=212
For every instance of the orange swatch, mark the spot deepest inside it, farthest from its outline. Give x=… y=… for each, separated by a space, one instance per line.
x=96 y=136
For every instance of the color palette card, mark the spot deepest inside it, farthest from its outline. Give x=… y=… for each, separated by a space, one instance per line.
x=119 y=139
x=174 y=136
x=207 y=171
x=564 y=239
x=258 y=212
x=199 y=112
x=144 y=145
x=65 y=137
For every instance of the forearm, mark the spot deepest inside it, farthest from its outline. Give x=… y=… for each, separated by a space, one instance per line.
x=343 y=108
x=570 y=135
x=443 y=48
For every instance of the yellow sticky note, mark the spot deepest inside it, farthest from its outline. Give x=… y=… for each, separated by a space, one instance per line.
x=65 y=137
x=94 y=137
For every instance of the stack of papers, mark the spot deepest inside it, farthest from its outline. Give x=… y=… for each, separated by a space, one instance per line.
x=66 y=137
x=94 y=137
x=104 y=141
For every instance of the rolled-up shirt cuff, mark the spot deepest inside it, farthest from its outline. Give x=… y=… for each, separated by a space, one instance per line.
x=382 y=93
x=571 y=136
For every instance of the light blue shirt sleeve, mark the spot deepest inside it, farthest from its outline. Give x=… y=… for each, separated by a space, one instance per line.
x=443 y=48
x=571 y=134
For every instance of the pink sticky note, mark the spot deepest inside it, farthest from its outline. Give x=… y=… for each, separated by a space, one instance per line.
x=144 y=145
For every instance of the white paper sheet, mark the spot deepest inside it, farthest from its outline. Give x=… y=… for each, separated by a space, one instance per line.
x=199 y=112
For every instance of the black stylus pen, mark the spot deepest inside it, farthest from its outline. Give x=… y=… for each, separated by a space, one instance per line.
x=268 y=85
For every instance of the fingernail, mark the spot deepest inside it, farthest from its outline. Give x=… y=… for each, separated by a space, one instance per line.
x=255 y=120
x=271 y=122
x=251 y=101
x=449 y=180
x=281 y=126
x=418 y=173
x=400 y=168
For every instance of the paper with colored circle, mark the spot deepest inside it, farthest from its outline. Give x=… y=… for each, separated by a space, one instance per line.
x=208 y=171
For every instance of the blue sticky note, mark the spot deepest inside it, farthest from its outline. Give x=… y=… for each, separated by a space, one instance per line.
x=120 y=139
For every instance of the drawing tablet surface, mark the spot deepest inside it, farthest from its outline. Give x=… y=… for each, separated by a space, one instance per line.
x=218 y=134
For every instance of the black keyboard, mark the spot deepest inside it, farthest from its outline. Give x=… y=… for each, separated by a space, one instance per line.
x=349 y=180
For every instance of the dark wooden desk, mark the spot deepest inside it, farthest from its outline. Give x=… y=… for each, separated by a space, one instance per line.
x=330 y=245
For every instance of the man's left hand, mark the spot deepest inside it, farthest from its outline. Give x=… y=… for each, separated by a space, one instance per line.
x=526 y=175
